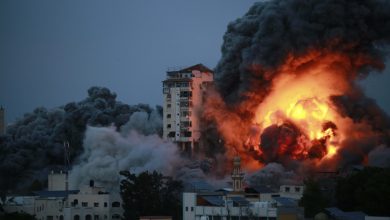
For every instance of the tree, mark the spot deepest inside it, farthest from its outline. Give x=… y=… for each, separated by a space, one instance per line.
x=16 y=216
x=150 y=194
x=367 y=191
x=313 y=199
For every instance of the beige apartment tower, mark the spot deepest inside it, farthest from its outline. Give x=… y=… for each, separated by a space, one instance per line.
x=183 y=91
x=2 y=120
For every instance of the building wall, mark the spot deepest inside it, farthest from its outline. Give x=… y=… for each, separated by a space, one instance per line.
x=49 y=208
x=193 y=211
x=189 y=203
x=98 y=206
x=179 y=117
x=292 y=191
x=56 y=181
x=266 y=197
x=91 y=204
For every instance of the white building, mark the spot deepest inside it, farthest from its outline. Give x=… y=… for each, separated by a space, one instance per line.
x=183 y=92
x=235 y=204
x=219 y=206
x=59 y=203
x=292 y=191
x=93 y=203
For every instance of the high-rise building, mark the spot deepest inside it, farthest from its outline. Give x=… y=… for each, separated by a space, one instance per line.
x=184 y=91
x=2 y=120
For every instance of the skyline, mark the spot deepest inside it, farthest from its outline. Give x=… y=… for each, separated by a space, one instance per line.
x=53 y=52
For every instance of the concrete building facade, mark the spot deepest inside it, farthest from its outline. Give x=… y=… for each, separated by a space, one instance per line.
x=239 y=203
x=184 y=93
x=59 y=203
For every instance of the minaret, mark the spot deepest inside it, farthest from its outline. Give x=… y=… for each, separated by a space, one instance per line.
x=2 y=121
x=237 y=175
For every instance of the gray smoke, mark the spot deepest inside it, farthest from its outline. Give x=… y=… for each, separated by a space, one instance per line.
x=379 y=157
x=273 y=175
x=107 y=151
x=33 y=145
x=145 y=123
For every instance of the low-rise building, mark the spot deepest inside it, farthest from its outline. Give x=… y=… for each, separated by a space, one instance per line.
x=292 y=191
x=60 y=203
x=238 y=203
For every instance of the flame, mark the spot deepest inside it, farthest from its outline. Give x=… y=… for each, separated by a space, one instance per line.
x=331 y=151
x=295 y=118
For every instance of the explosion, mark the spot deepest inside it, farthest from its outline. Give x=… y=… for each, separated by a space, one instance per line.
x=286 y=84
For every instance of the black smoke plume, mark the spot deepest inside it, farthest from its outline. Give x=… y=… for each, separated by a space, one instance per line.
x=262 y=39
x=34 y=144
x=285 y=32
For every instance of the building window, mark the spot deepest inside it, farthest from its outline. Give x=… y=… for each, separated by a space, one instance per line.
x=182 y=84
x=186 y=209
x=168 y=125
x=186 y=124
x=105 y=204
x=297 y=189
x=96 y=217
x=192 y=209
x=171 y=134
x=168 y=115
x=88 y=217
x=116 y=204
x=49 y=217
x=168 y=105
x=76 y=217
x=186 y=134
x=185 y=94
x=186 y=113
x=287 y=189
x=75 y=202
x=96 y=204
x=61 y=217
x=185 y=104
x=84 y=204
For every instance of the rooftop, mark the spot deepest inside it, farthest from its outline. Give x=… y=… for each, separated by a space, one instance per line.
x=198 y=66
x=62 y=193
x=340 y=214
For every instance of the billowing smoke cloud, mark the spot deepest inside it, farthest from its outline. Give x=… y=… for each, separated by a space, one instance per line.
x=379 y=157
x=106 y=152
x=277 y=41
x=273 y=31
x=33 y=145
x=135 y=147
x=273 y=175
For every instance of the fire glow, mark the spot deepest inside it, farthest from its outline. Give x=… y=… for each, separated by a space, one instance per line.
x=287 y=86
x=296 y=120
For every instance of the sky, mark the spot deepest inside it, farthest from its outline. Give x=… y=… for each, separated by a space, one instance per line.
x=51 y=52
